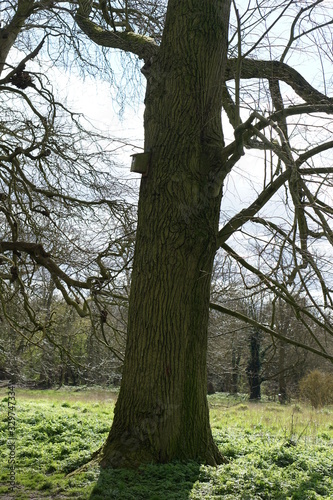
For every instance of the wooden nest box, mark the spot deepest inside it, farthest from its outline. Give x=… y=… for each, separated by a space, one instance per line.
x=140 y=163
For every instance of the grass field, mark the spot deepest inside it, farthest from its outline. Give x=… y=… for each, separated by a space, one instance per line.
x=274 y=451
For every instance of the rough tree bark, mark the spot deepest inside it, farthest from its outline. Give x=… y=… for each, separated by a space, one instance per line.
x=162 y=411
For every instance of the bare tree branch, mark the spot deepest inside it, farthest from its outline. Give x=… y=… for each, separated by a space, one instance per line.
x=267 y=329
x=144 y=47
x=276 y=70
x=247 y=213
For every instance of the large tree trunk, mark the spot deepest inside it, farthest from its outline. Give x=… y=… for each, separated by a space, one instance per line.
x=162 y=412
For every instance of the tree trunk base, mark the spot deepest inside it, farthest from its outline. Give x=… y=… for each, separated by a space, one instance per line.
x=116 y=454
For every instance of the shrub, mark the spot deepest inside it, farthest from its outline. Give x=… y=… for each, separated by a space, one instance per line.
x=317 y=387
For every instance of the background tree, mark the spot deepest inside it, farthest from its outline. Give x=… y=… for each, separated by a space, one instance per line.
x=162 y=413
x=277 y=365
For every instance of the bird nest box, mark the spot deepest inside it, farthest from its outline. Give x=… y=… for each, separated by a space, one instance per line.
x=140 y=163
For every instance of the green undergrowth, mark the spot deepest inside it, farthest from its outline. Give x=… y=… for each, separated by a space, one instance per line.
x=274 y=452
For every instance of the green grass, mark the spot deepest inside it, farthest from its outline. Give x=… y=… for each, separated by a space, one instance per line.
x=274 y=452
